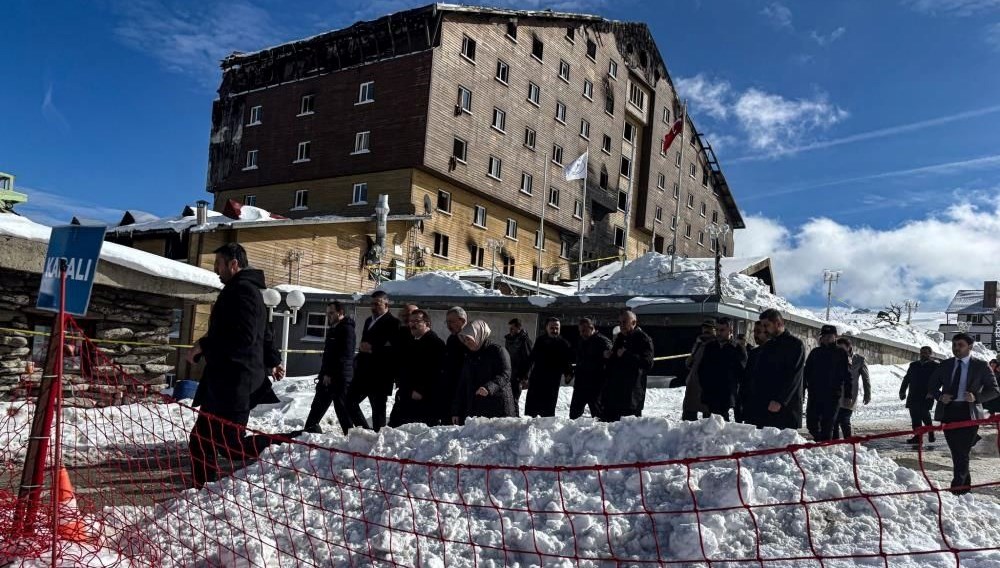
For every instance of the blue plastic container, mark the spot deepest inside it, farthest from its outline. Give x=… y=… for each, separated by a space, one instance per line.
x=185 y=389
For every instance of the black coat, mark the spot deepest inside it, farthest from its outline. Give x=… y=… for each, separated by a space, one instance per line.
x=233 y=348
x=272 y=358
x=338 y=353
x=980 y=381
x=420 y=372
x=454 y=359
x=744 y=391
x=551 y=358
x=374 y=372
x=591 y=365
x=489 y=367
x=828 y=376
x=916 y=384
x=519 y=349
x=777 y=376
x=723 y=364
x=625 y=392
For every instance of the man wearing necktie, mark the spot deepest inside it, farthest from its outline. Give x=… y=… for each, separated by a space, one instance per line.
x=960 y=385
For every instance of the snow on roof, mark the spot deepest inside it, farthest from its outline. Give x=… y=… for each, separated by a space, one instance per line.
x=967 y=301
x=285 y=288
x=435 y=284
x=479 y=273
x=177 y=223
x=730 y=265
x=24 y=228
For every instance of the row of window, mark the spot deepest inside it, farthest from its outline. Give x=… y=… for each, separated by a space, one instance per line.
x=538 y=50
x=362 y=145
x=307 y=104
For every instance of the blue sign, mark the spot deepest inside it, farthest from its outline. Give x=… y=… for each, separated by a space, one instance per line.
x=80 y=246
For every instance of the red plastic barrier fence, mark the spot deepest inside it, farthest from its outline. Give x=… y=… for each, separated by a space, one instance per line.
x=300 y=504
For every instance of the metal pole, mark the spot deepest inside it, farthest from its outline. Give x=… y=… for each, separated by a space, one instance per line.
x=493 y=264
x=718 y=268
x=57 y=414
x=628 y=198
x=677 y=207
x=285 y=317
x=541 y=226
x=583 y=223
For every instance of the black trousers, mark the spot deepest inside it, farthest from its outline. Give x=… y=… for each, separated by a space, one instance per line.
x=335 y=394
x=960 y=442
x=842 y=424
x=405 y=410
x=543 y=394
x=220 y=432
x=357 y=393
x=820 y=415
x=920 y=416
x=585 y=396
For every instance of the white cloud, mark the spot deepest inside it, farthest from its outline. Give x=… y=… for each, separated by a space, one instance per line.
x=52 y=113
x=993 y=36
x=954 y=7
x=705 y=94
x=195 y=41
x=778 y=14
x=824 y=40
x=776 y=124
x=52 y=209
x=927 y=259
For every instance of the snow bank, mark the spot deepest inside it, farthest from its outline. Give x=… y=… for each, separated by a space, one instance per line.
x=435 y=284
x=24 y=228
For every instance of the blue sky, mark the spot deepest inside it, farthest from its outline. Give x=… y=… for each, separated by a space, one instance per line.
x=847 y=129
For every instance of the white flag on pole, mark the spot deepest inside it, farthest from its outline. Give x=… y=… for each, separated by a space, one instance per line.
x=578 y=169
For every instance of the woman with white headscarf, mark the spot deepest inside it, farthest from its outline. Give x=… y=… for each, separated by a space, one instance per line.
x=484 y=386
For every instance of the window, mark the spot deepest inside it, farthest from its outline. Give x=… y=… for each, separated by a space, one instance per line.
x=479 y=216
x=622 y=201
x=661 y=181
x=609 y=102
x=691 y=170
x=704 y=209
x=301 y=199
x=628 y=133
x=701 y=238
x=444 y=201
x=511 y=229
x=512 y=30
x=496 y=167
x=677 y=159
x=306 y=106
x=592 y=49
x=529 y=138
x=588 y=90
x=673 y=222
x=478 y=254
x=537 y=47
x=690 y=201
x=464 y=100
x=557 y=154
x=619 y=237
x=536 y=273
x=578 y=209
x=704 y=176
x=459 y=149
x=316 y=325
x=711 y=244
x=666 y=115
x=687 y=230
x=251 y=160
x=606 y=144
x=636 y=97
x=534 y=93
x=715 y=216
x=560 y=112
x=539 y=240
x=303 y=152
x=360 y=194
x=503 y=71
x=255 y=115
x=366 y=93
x=250 y=200
x=508 y=265
x=526 y=183
x=659 y=214
x=499 y=120
x=440 y=245
x=563 y=249
x=468 y=48
x=564 y=70
x=677 y=190
x=613 y=69
x=361 y=142
x=571 y=35
x=585 y=128
x=554 y=197
x=604 y=178
x=626 y=168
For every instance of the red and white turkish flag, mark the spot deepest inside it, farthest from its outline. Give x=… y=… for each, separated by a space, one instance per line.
x=675 y=131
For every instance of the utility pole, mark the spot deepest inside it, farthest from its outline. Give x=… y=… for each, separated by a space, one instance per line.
x=911 y=306
x=830 y=276
x=715 y=231
x=494 y=246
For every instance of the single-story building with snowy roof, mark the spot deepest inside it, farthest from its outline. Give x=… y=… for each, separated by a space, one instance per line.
x=975 y=313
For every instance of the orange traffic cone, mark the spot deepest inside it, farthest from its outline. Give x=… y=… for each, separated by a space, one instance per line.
x=71 y=526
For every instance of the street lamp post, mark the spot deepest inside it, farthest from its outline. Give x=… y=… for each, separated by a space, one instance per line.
x=717 y=231
x=294 y=300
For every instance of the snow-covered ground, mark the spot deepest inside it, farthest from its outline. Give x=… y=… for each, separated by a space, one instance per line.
x=307 y=504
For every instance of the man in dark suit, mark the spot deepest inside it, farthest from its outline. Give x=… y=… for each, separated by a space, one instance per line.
x=916 y=381
x=374 y=365
x=960 y=386
x=336 y=372
x=777 y=390
x=827 y=379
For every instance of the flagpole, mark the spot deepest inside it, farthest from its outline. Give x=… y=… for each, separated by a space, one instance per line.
x=541 y=225
x=677 y=206
x=583 y=221
x=628 y=201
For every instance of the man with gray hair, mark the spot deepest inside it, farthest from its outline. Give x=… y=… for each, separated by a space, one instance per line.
x=454 y=358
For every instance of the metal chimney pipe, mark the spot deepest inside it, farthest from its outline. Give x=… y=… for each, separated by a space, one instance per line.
x=381 y=221
x=201 y=214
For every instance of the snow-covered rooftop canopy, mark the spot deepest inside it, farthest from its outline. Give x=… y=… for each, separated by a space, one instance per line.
x=968 y=302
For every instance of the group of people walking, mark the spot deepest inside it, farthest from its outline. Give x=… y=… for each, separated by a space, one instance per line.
x=471 y=374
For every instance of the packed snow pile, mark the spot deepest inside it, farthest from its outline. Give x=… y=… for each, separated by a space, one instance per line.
x=849 y=323
x=311 y=505
x=435 y=284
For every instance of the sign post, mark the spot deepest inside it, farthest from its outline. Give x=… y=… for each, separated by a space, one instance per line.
x=67 y=281
x=996 y=329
